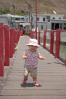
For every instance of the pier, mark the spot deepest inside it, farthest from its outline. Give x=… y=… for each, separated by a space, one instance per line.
x=51 y=76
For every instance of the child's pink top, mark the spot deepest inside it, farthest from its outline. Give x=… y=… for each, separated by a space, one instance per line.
x=32 y=58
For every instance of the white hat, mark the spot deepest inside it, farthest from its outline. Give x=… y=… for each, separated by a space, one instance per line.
x=33 y=42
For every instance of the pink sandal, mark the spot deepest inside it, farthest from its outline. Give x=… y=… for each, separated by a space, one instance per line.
x=36 y=84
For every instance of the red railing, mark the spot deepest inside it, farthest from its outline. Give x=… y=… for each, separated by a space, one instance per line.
x=51 y=40
x=9 y=38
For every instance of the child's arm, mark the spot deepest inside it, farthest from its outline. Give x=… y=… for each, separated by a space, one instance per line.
x=41 y=57
x=24 y=56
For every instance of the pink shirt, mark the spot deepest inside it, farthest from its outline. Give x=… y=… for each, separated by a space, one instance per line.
x=32 y=58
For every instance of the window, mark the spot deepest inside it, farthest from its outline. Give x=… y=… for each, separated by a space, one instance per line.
x=17 y=18
x=48 y=18
x=53 y=17
x=22 y=19
x=64 y=26
x=41 y=27
x=59 y=17
x=53 y=26
x=43 y=19
x=56 y=26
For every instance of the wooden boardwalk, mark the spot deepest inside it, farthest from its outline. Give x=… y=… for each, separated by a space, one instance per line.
x=51 y=76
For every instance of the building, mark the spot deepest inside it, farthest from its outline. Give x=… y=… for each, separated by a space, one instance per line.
x=44 y=21
x=48 y=22
x=4 y=19
x=14 y=20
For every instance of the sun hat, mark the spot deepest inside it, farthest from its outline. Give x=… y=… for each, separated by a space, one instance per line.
x=33 y=42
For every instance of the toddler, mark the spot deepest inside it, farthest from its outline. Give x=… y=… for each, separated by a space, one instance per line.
x=31 y=61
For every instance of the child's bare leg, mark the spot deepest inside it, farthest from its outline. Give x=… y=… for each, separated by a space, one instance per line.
x=25 y=75
x=34 y=79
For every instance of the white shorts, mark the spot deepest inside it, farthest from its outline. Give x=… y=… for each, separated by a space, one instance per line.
x=32 y=71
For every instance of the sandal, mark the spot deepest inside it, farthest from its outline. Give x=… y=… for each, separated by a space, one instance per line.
x=37 y=84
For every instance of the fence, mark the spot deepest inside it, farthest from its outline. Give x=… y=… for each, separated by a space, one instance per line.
x=54 y=41
x=9 y=38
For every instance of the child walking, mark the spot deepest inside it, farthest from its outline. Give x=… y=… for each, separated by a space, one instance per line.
x=31 y=61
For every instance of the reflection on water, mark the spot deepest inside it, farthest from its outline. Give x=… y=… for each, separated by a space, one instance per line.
x=48 y=43
x=63 y=50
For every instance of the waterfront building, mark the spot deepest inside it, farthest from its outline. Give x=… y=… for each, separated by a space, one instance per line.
x=48 y=22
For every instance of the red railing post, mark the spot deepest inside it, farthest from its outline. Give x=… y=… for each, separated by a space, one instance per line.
x=57 y=43
x=36 y=17
x=6 y=33
x=44 y=40
x=1 y=50
x=21 y=33
x=15 y=37
x=39 y=37
x=11 y=42
x=52 y=42
x=18 y=34
x=65 y=62
x=34 y=32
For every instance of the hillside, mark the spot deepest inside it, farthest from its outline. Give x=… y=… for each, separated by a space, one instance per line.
x=22 y=7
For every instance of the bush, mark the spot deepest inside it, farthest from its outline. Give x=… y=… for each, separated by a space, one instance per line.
x=4 y=11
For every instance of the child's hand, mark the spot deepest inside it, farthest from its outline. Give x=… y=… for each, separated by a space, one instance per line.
x=41 y=57
x=24 y=57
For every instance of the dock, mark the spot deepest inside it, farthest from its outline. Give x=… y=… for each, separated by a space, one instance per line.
x=51 y=76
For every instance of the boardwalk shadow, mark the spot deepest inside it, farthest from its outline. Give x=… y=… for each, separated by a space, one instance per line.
x=29 y=85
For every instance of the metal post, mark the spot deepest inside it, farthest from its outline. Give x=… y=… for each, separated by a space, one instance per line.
x=1 y=51
x=52 y=42
x=7 y=45
x=57 y=43
x=39 y=37
x=11 y=42
x=44 y=40
x=36 y=16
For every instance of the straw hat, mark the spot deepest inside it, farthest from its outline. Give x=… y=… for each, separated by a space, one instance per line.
x=33 y=42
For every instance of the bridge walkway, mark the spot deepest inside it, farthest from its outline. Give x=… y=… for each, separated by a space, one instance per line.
x=51 y=76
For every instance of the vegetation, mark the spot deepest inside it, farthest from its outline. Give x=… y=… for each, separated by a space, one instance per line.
x=22 y=7
x=15 y=11
x=4 y=11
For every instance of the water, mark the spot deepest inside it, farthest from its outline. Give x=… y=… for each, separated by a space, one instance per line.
x=62 y=52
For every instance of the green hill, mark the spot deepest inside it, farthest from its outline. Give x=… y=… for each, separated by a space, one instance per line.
x=22 y=7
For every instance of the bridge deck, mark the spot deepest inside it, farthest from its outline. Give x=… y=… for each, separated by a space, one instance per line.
x=51 y=76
